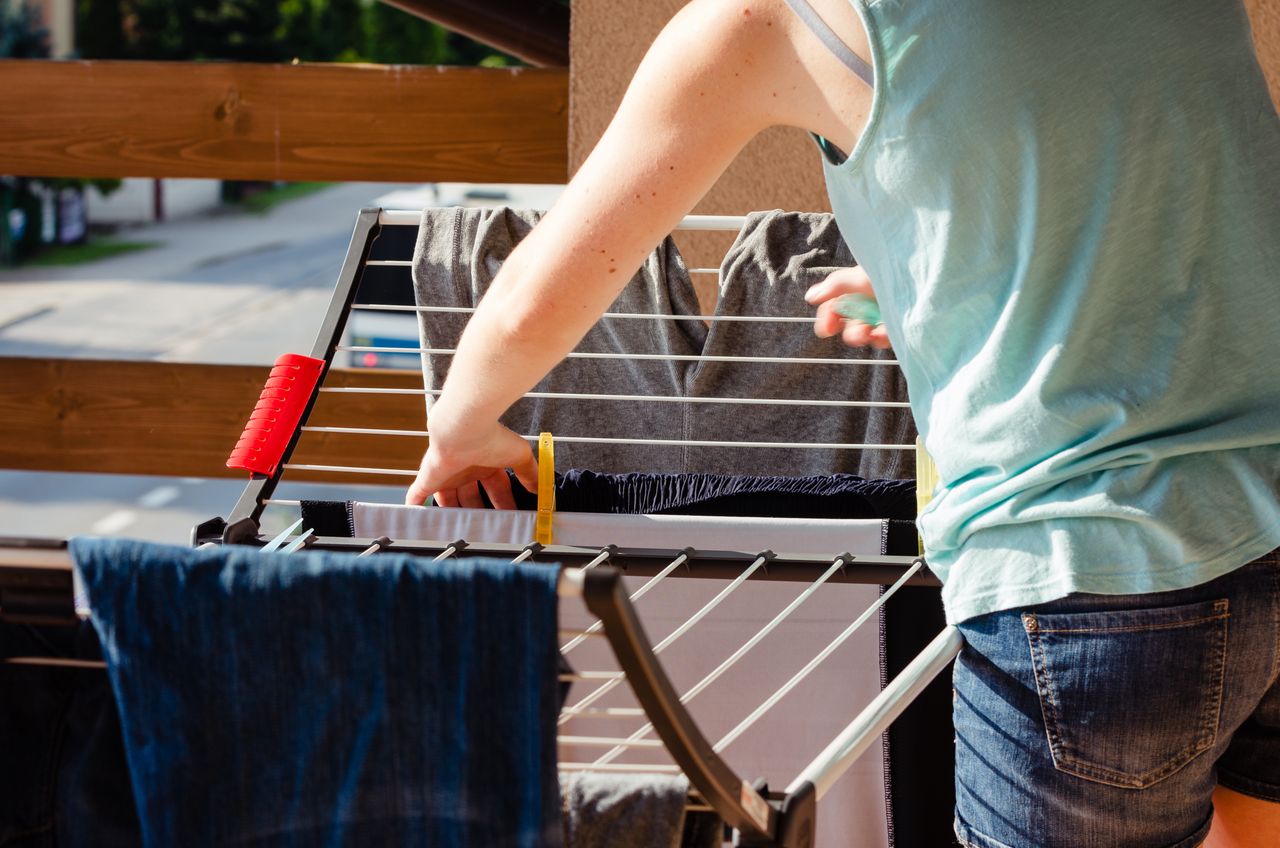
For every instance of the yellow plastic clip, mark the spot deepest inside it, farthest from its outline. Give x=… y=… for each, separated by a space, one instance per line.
x=546 y=488
x=926 y=480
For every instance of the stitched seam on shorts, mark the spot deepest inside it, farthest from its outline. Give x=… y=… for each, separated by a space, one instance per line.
x=1275 y=647
x=1211 y=727
x=1048 y=708
x=1206 y=730
x=966 y=842
x=1221 y=604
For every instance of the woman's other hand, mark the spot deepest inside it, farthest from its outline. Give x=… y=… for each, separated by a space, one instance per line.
x=461 y=460
x=828 y=321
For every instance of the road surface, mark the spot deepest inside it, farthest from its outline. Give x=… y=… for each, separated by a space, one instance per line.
x=227 y=288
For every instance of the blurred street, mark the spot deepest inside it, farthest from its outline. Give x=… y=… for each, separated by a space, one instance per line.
x=231 y=287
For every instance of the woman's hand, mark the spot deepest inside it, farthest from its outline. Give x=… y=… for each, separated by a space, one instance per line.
x=459 y=460
x=828 y=322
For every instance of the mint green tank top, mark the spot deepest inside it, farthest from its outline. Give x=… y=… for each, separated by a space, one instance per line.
x=1070 y=213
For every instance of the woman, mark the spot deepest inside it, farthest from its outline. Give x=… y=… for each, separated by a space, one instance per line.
x=1071 y=217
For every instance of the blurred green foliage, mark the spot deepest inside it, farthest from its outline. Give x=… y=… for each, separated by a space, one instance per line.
x=270 y=31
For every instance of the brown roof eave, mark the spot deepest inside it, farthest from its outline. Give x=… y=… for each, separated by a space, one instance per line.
x=536 y=31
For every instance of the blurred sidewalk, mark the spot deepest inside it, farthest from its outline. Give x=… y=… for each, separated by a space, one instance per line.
x=191 y=242
x=191 y=295
x=228 y=287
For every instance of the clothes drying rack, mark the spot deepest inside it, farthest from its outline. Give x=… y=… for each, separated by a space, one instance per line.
x=37 y=587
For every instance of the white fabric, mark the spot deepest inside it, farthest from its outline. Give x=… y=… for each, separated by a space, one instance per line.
x=800 y=726
x=815 y=536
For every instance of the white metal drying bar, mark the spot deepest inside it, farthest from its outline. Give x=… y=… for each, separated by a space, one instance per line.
x=816 y=661
x=604 y=712
x=678 y=632
x=626 y=767
x=568 y=585
x=635 y=596
x=374 y=390
x=408 y=263
x=606 y=741
x=660 y=357
x=343 y=469
x=732 y=659
x=875 y=719
x=467 y=310
x=56 y=662
x=375 y=431
x=408 y=472
x=413 y=217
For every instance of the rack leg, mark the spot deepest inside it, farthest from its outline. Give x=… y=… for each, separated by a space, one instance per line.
x=797 y=822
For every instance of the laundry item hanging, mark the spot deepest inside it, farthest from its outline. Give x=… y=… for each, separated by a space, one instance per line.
x=458 y=253
x=775 y=258
x=811 y=496
x=603 y=810
x=824 y=496
x=858 y=802
x=819 y=537
x=321 y=698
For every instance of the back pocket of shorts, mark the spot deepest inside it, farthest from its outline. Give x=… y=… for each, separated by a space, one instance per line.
x=1130 y=697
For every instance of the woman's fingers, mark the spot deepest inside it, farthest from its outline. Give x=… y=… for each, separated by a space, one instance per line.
x=527 y=473
x=828 y=322
x=418 y=492
x=469 y=495
x=498 y=487
x=455 y=475
x=841 y=281
x=856 y=334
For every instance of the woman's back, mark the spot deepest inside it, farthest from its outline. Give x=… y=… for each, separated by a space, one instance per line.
x=1071 y=215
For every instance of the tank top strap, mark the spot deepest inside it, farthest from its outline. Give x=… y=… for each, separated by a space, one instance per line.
x=809 y=16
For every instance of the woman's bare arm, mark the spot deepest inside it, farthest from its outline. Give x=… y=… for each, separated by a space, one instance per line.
x=719 y=73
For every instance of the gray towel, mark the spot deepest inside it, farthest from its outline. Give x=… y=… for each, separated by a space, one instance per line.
x=632 y=811
x=776 y=257
x=458 y=253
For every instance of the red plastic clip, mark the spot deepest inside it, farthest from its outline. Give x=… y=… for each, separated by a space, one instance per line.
x=277 y=413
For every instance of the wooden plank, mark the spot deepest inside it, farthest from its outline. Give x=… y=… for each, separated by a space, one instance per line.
x=283 y=122
x=181 y=420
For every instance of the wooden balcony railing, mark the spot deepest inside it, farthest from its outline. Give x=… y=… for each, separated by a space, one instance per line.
x=242 y=121
x=283 y=122
x=182 y=420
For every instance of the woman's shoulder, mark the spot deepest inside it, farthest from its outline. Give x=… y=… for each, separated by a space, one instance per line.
x=764 y=50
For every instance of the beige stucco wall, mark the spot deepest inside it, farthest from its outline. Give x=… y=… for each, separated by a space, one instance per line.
x=780 y=169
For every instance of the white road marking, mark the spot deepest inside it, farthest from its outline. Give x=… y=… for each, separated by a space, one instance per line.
x=114 y=522
x=159 y=496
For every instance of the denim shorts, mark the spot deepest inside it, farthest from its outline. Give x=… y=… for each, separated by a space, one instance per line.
x=1106 y=721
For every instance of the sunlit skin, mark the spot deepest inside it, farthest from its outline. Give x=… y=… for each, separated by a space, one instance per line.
x=704 y=89
x=718 y=74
